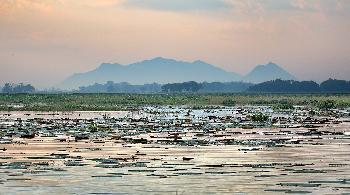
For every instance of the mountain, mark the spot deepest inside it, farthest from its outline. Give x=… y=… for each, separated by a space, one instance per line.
x=268 y=72
x=157 y=70
x=161 y=70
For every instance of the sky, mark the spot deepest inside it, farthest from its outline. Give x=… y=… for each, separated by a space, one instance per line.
x=44 y=41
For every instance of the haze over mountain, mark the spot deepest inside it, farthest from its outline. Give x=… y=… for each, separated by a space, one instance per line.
x=161 y=70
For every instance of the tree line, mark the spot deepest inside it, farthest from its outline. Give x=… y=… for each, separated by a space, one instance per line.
x=124 y=87
x=17 y=88
x=205 y=87
x=185 y=87
x=274 y=86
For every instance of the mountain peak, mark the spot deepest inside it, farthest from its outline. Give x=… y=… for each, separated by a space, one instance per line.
x=108 y=65
x=267 y=72
x=199 y=62
x=271 y=64
x=161 y=59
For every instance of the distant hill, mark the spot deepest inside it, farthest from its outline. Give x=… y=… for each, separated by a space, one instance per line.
x=270 y=71
x=335 y=86
x=157 y=70
x=290 y=86
x=285 y=86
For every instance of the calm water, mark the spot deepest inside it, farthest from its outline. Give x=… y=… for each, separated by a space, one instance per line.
x=294 y=162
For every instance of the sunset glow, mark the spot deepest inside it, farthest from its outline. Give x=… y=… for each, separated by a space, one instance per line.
x=47 y=40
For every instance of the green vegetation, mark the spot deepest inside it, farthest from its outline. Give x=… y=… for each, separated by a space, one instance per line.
x=85 y=102
x=283 y=106
x=260 y=117
x=228 y=102
x=328 y=104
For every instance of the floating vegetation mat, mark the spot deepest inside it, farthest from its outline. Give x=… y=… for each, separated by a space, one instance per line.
x=176 y=150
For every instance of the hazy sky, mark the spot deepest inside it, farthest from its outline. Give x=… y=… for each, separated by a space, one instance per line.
x=44 y=41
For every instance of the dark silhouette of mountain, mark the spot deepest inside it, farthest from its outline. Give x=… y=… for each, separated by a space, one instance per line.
x=285 y=86
x=157 y=70
x=335 y=86
x=268 y=72
x=282 y=86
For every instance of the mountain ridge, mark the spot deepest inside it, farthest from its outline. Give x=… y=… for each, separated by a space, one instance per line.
x=164 y=70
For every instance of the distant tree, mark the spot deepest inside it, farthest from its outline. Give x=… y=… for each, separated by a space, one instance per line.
x=229 y=87
x=327 y=104
x=259 y=117
x=110 y=86
x=228 y=102
x=25 y=88
x=190 y=86
x=18 y=88
x=124 y=87
x=283 y=106
x=8 y=88
x=205 y=87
